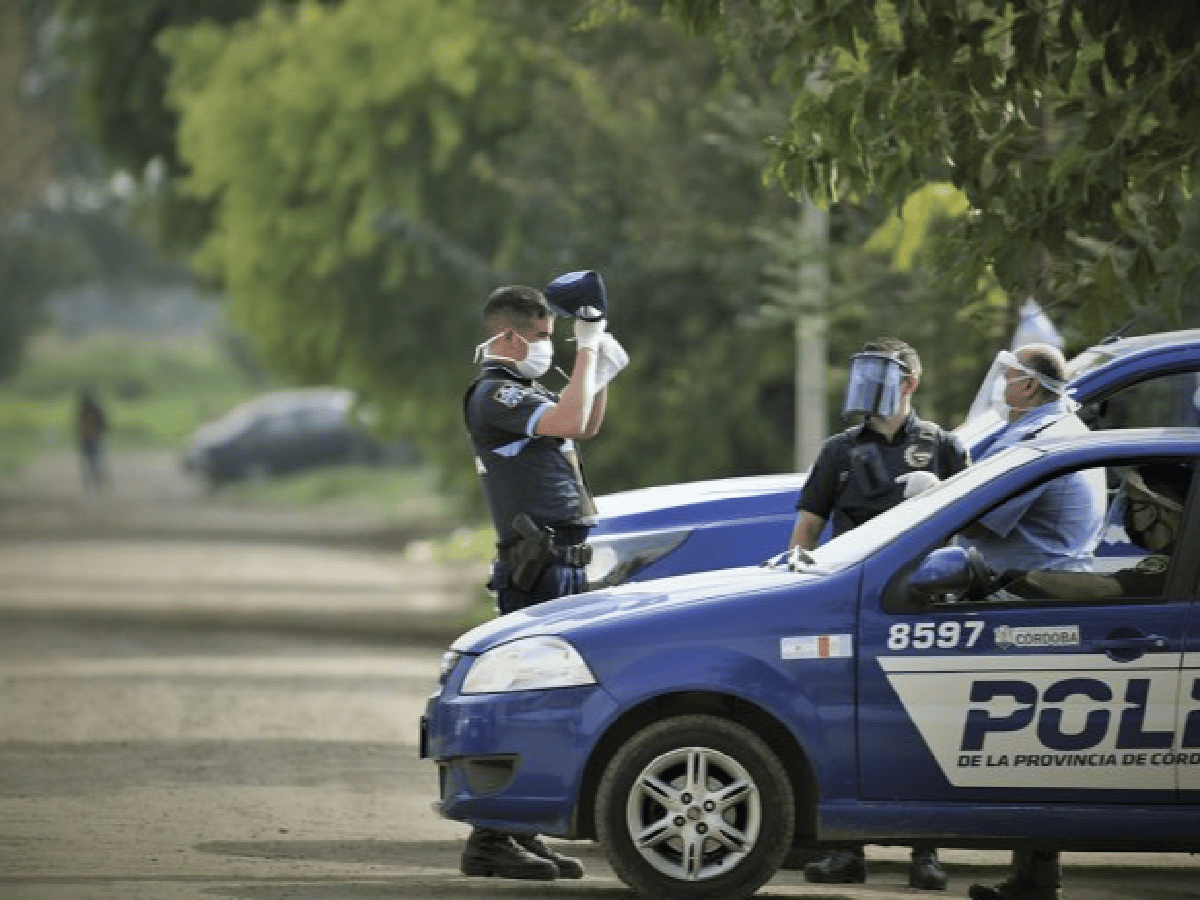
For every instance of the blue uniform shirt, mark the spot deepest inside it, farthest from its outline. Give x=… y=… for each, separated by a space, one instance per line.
x=523 y=471
x=1057 y=524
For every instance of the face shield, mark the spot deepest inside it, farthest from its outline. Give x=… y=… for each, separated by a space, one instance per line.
x=874 y=385
x=1004 y=367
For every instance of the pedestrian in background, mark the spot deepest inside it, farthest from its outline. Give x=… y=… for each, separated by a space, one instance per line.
x=524 y=439
x=90 y=428
x=858 y=474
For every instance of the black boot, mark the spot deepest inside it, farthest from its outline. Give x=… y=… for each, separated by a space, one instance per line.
x=1036 y=875
x=799 y=856
x=838 y=867
x=494 y=853
x=925 y=872
x=567 y=866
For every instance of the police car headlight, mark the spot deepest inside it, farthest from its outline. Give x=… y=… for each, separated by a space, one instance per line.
x=530 y=664
x=449 y=660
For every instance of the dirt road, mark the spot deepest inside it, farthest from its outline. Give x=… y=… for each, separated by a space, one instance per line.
x=199 y=700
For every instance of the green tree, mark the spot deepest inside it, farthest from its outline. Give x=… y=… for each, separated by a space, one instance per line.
x=121 y=75
x=1068 y=124
x=375 y=168
x=30 y=254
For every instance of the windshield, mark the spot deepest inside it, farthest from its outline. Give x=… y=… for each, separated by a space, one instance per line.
x=856 y=545
x=233 y=423
x=1088 y=360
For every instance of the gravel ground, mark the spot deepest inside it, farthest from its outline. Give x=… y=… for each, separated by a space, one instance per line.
x=116 y=594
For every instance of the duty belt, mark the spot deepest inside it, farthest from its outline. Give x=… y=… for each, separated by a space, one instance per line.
x=575 y=554
x=568 y=554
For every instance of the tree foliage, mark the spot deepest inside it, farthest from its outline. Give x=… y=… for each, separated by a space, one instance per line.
x=371 y=169
x=376 y=167
x=31 y=254
x=121 y=75
x=1069 y=125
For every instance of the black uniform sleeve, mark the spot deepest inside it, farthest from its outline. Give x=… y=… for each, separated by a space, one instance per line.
x=819 y=494
x=511 y=407
x=954 y=456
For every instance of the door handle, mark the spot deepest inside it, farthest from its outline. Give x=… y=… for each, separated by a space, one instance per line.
x=1146 y=642
x=1126 y=647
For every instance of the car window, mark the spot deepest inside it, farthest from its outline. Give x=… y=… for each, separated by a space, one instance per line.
x=316 y=417
x=1171 y=400
x=1124 y=562
x=854 y=546
x=1092 y=358
x=280 y=423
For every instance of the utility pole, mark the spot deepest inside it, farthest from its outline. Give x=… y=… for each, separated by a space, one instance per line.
x=811 y=324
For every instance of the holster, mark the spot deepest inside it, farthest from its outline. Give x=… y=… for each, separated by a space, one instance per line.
x=532 y=552
x=868 y=471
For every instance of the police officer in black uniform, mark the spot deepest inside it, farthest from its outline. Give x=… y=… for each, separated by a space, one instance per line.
x=524 y=440
x=858 y=474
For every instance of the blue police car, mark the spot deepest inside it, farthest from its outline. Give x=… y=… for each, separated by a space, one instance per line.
x=886 y=688
x=1149 y=380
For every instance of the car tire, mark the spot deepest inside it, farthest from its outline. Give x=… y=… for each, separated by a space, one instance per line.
x=670 y=838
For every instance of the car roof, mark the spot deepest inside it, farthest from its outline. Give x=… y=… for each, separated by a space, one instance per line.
x=1108 y=351
x=275 y=401
x=1153 y=441
x=244 y=414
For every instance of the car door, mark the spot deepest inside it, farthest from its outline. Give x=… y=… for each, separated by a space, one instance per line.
x=321 y=436
x=1188 y=763
x=1069 y=691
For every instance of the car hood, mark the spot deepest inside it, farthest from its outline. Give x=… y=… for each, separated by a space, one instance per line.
x=645 y=505
x=632 y=601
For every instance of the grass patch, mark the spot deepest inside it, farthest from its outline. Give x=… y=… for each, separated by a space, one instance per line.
x=397 y=494
x=155 y=393
x=465 y=545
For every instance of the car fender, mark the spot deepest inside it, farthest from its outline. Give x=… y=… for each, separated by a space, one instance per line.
x=814 y=706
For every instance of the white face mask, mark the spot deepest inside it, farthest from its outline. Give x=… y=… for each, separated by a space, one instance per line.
x=536 y=363
x=999 y=402
x=537 y=359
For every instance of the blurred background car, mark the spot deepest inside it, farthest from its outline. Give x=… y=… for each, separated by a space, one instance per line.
x=286 y=431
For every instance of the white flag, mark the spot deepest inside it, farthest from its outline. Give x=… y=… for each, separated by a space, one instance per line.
x=1035 y=327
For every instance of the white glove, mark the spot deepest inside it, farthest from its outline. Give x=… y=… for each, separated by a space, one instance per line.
x=917 y=482
x=588 y=334
x=613 y=359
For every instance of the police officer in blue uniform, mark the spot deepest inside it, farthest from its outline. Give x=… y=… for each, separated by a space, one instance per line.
x=1149 y=506
x=859 y=473
x=1058 y=524
x=1054 y=527
x=524 y=439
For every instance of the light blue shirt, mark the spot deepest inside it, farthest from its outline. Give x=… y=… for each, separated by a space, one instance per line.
x=1055 y=525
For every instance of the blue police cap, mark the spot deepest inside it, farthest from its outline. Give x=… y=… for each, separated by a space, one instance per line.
x=578 y=295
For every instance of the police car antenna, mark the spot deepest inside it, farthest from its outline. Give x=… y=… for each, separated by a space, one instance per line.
x=1123 y=331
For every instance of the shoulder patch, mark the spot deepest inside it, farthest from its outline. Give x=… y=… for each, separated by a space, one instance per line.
x=509 y=394
x=918 y=456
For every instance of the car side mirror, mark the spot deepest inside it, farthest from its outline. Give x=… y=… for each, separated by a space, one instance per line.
x=950 y=574
x=1092 y=414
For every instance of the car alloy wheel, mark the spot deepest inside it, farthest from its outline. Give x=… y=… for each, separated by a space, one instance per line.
x=695 y=806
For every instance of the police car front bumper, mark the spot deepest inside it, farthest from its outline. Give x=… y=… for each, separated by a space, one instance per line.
x=513 y=761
